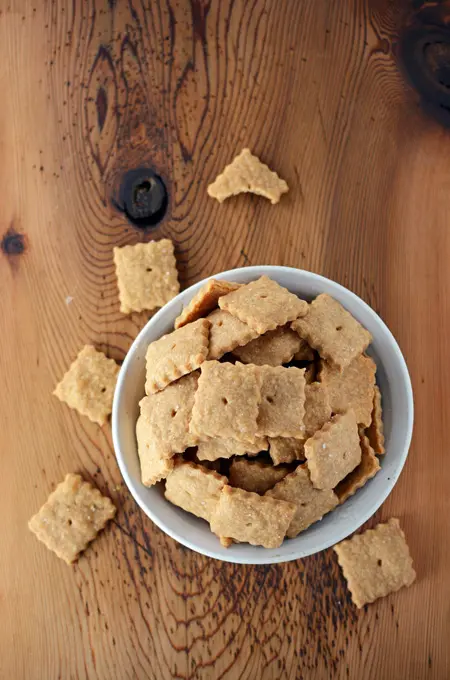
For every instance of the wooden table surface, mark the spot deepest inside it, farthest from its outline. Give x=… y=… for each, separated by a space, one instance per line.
x=93 y=89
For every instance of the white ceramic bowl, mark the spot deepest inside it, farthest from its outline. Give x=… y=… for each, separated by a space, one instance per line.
x=393 y=380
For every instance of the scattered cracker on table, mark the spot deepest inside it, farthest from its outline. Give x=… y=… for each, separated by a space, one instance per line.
x=176 y=354
x=274 y=348
x=334 y=451
x=246 y=173
x=167 y=414
x=146 y=275
x=72 y=517
x=263 y=305
x=194 y=489
x=212 y=449
x=226 y=402
x=368 y=468
x=375 y=431
x=88 y=386
x=246 y=516
x=376 y=562
x=351 y=388
x=282 y=406
x=317 y=408
x=332 y=331
x=156 y=458
x=286 y=449
x=205 y=301
x=253 y=475
x=227 y=333
x=311 y=504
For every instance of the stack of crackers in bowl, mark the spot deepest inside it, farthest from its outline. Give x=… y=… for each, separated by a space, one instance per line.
x=262 y=412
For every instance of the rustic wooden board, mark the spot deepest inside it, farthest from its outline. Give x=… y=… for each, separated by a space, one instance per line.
x=92 y=89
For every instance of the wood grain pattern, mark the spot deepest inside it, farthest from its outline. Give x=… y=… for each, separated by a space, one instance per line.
x=92 y=89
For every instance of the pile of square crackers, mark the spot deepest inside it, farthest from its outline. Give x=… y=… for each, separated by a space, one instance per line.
x=262 y=413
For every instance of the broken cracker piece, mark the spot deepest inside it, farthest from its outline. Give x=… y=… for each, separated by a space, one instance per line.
x=176 y=354
x=332 y=331
x=212 y=449
x=351 y=388
x=194 y=489
x=155 y=457
x=205 y=301
x=311 y=504
x=263 y=305
x=252 y=475
x=274 y=348
x=286 y=449
x=376 y=562
x=248 y=517
x=227 y=333
x=246 y=173
x=375 y=431
x=282 y=406
x=146 y=275
x=72 y=517
x=88 y=386
x=317 y=408
x=334 y=451
x=368 y=468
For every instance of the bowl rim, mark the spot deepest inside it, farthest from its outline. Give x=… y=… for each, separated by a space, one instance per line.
x=181 y=299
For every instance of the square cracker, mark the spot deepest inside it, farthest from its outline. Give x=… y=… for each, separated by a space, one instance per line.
x=286 y=449
x=282 y=406
x=226 y=402
x=194 y=489
x=212 y=449
x=253 y=475
x=167 y=414
x=146 y=275
x=155 y=457
x=88 y=386
x=351 y=388
x=248 y=517
x=227 y=333
x=332 y=331
x=246 y=173
x=317 y=408
x=376 y=562
x=375 y=431
x=176 y=354
x=72 y=517
x=311 y=504
x=263 y=305
x=274 y=348
x=334 y=451
x=367 y=469
x=205 y=301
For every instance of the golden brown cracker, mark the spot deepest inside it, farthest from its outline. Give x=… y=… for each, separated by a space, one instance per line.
x=205 y=301
x=351 y=388
x=332 y=331
x=282 y=406
x=334 y=451
x=146 y=275
x=274 y=348
x=317 y=408
x=375 y=431
x=227 y=333
x=176 y=354
x=311 y=504
x=212 y=449
x=310 y=373
x=368 y=468
x=246 y=173
x=253 y=475
x=304 y=353
x=194 y=489
x=263 y=305
x=155 y=457
x=88 y=386
x=247 y=517
x=376 y=562
x=286 y=449
x=72 y=517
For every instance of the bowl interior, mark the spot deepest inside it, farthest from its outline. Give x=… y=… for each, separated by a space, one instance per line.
x=392 y=378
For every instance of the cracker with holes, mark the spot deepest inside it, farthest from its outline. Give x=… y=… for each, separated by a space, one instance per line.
x=213 y=449
x=376 y=562
x=146 y=275
x=227 y=333
x=88 y=386
x=205 y=301
x=334 y=451
x=254 y=475
x=351 y=388
x=247 y=174
x=72 y=517
x=375 y=431
x=274 y=348
x=332 y=331
x=368 y=468
x=282 y=406
x=194 y=489
x=311 y=503
x=176 y=354
x=247 y=517
x=317 y=408
x=263 y=305
x=227 y=402
x=155 y=457
x=286 y=449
